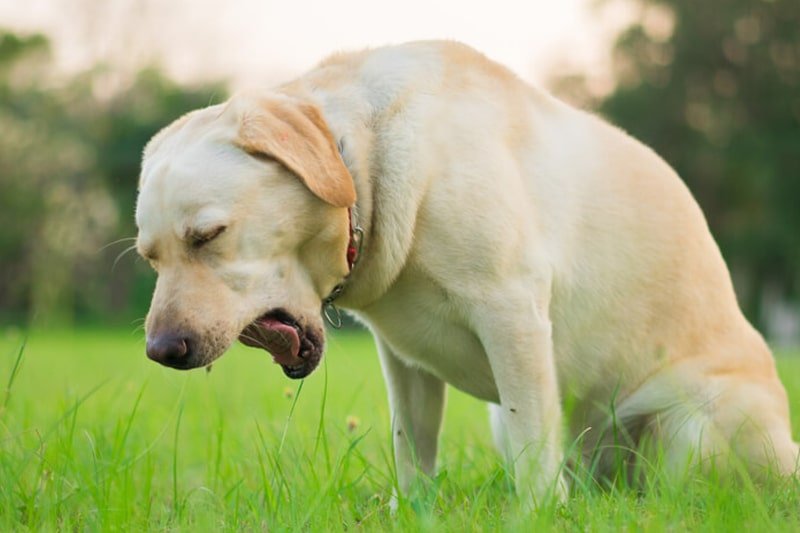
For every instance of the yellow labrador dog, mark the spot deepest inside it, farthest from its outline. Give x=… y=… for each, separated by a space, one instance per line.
x=490 y=236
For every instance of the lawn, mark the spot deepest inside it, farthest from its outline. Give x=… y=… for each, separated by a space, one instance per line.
x=93 y=436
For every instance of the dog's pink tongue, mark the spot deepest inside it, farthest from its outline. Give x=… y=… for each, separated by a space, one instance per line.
x=281 y=340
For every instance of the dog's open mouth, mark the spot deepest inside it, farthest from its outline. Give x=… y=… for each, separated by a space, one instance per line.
x=297 y=349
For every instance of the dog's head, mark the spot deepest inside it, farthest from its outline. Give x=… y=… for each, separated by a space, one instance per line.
x=242 y=211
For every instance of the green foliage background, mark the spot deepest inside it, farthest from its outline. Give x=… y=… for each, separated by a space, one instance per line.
x=69 y=165
x=713 y=87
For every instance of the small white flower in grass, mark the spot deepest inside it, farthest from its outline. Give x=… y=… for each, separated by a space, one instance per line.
x=352 y=423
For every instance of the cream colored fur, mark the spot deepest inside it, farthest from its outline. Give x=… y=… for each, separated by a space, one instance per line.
x=516 y=248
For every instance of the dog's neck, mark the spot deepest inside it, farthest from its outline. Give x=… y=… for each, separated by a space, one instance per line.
x=386 y=238
x=353 y=254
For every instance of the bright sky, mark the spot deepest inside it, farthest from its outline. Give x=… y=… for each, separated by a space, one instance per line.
x=253 y=42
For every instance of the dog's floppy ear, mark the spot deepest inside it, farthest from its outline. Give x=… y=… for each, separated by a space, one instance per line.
x=296 y=135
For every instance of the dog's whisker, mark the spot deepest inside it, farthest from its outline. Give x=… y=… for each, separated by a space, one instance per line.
x=121 y=254
x=138 y=325
x=112 y=243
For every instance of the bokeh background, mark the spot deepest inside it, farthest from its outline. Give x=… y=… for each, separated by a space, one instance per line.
x=713 y=86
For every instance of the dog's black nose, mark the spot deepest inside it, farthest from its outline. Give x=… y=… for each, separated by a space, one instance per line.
x=169 y=348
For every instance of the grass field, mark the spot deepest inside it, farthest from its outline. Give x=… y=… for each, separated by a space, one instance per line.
x=93 y=436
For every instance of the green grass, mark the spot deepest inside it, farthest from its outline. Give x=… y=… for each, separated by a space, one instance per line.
x=93 y=436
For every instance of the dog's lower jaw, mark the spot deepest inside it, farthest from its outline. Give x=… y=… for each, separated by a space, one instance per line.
x=312 y=346
x=298 y=371
x=308 y=343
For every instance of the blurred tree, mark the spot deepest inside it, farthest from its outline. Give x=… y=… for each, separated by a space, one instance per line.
x=120 y=130
x=69 y=162
x=714 y=88
x=24 y=176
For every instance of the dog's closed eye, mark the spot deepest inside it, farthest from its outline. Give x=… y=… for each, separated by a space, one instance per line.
x=200 y=238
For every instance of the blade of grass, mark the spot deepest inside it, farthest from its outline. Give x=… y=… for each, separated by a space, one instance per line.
x=322 y=435
x=218 y=457
x=44 y=437
x=120 y=445
x=338 y=470
x=14 y=372
x=175 y=501
x=289 y=418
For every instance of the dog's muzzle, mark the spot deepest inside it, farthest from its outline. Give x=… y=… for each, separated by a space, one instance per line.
x=297 y=348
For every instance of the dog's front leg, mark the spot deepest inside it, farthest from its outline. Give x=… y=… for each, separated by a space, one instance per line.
x=416 y=400
x=517 y=337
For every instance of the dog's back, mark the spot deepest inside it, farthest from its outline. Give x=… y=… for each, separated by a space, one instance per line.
x=642 y=305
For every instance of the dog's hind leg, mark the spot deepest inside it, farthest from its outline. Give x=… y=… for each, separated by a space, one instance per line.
x=717 y=423
x=752 y=416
